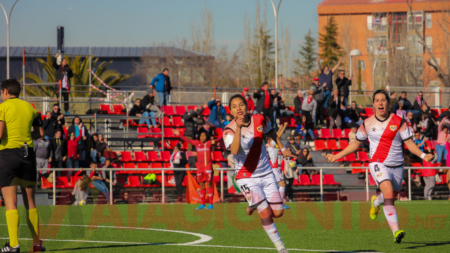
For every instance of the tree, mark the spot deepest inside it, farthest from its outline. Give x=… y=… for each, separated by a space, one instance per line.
x=308 y=55
x=286 y=42
x=203 y=35
x=328 y=43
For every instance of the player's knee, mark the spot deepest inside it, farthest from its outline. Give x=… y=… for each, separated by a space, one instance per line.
x=282 y=183
x=278 y=213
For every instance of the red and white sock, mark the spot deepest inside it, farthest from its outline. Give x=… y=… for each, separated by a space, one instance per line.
x=211 y=195
x=391 y=214
x=281 y=189
x=272 y=232
x=203 y=195
x=379 y=200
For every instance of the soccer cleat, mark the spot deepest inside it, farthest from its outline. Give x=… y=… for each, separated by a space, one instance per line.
x=200 y=207
x=38 y=247
x=8 y=248
x=398 y=236
x=373 y=208
x=210 y=207
x=250 y=210
x=285 y=206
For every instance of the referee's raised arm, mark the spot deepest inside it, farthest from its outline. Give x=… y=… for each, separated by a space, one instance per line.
x=19 y=125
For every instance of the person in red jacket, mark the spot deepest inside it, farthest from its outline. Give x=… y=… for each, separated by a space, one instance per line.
x=248 y=98
x=72 y=151
x=204 y=164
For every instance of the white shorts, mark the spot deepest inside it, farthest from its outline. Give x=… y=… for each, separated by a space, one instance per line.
x=381 y=172
x=261 y=190
x=278 y=174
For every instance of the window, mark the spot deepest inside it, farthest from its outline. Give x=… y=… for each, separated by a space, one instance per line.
x=379 y=44
x=369 y=22
x=399 y=22
x=380 y=22
x=369 y=45
x=415 y=44
x=428 y=20
x=429 y=42
x=415 y=18
x=362 y=64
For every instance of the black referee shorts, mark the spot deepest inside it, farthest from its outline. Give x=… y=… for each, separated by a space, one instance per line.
x=17 y=170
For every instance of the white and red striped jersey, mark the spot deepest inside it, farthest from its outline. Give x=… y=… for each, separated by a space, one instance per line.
x=386 y=138
x=252 y=160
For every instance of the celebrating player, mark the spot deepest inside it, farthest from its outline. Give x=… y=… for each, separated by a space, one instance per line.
x=244 y=138
x=18 y=162
x=272 y=152
x=385 y=132
x=204 y=164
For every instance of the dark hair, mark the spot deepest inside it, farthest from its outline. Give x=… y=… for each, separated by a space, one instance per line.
x=353 y=102
x=12 y=86
x=165 y=69
x=203 y=131
x=420 y=92
x=56 y=105
x=237 y=96
x=94 y=135
x=342 y=71
x=264 y=83
x=381 y=92
x=404 y=92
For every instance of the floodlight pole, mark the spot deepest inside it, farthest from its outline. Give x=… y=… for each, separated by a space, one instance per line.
x=8 y=18
x=275 y=13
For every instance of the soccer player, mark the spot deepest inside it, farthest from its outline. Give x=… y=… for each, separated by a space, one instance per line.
x=18 y=162
x=244 y=138
x=386 y=132
x=204 y=164
x=272 y=152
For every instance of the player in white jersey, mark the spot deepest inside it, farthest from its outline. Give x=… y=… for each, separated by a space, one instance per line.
x=244 y=138
x=386 y=133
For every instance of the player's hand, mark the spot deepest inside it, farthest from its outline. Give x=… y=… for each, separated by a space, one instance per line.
x=331 y=158
x=239 y=121
x=64 y=158
x=428 y=157
x=176 y=132
x=287 y=153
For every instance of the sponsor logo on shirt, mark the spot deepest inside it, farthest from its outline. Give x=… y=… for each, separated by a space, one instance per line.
x=260 y=128
x=379 y=175
x=393 y=128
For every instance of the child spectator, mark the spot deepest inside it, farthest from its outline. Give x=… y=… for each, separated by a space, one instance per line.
x=427 y=126
x=400 y=112
x=304 y=128
x=443 y=127
x=81 y=189
x=101 y=146
x=227 y=121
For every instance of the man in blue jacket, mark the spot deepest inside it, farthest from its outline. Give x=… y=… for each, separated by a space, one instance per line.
x=163 y=86
x=218 y=114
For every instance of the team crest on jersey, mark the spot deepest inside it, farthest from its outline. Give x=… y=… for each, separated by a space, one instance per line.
x=379 y=175
x=249 y=197
x=260 y=128
x=393 y=128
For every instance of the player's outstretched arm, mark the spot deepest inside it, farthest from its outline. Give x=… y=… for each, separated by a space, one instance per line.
x=352 y=147
x=286 y=151
x=412 y=147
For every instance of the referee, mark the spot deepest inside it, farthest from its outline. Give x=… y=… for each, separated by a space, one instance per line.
x=18 y=162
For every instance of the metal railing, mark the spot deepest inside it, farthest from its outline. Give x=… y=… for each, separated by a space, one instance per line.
x=163 y=190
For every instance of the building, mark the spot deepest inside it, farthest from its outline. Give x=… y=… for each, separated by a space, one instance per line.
x=384 y=29
x=186 y=67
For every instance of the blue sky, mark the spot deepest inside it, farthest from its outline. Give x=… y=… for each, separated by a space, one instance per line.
x=145 y=22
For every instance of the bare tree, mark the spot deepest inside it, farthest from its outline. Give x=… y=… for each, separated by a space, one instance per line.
x=203 y=35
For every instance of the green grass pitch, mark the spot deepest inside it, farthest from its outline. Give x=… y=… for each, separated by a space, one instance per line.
x=311 y=226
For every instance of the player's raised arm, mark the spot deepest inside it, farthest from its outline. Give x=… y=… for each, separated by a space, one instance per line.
x=236 y=144
x=352 y=147
x=286 y=151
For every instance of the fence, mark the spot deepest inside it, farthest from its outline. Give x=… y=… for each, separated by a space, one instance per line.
x=321 y=186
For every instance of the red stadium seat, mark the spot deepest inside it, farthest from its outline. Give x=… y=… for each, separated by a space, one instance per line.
x=346 y=132
x=168 y=133
x=153 y=156
x=191 y=107
x=165 y=156
x=129 y=168
x=319 y=145
x=143 y=166
x=227 y=109
x=218 y=132
x=134 y=181
x=343 y=144
x=155 y=132
x=337 y=133
x=62 y=183
x=328 y=179
x=332 y=145
x=357 y=171
x=142 y=132
x=315 y=179
x=350 y=157
x=45 y=184
x=304 y=180
x=292 y=123
x=156 y=166
x=363 y=157
x=106 y=108
x=217 y=156
x=371 y=181
x=325 y=133
x=206 y=112
x=126 y=156
x=435 y=112
x=180 y=109
x=117 y=109
x=167 y=122
x=177 y=122
x=168 y=110
x=140 y=156
x=368 y=112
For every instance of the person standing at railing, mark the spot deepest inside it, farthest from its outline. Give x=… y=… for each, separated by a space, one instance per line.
x=204 y=164
x=53 y=121
x=59 y=147
x=318 y=90
x=178 y=160
x=139 y=111
x=218 y=113
x=19 y=125
x=447 y=171
x=335 y=111
x=63 y=75
x=77 y=127
x=43 y=150
x=343 y=83
x=73 y=157
x=163 y=86
x=190 y=124
x=326 y=78
x=442 y=136
x=386 y=133
x=248 y=98
x=264 y=100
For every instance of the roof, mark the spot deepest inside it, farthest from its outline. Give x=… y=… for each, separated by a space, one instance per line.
x=127 y=52
x=342 y=2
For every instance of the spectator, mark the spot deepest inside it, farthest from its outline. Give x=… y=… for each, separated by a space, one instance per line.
x=419 y=102
x=427 y=126
x=43 y=150
x=305 y=160
x=81 y=189
x=305 y=128
x=343 y=84
x=52 y=122
x=228 y=119
x=248 y=98
x=97 y=181
x=442 y=136
x=289 y=176
x=91 y=144
x=444 y=114
x=352 y=136
x=128 y=102
x=335 y=111
x=73 y=156
x=190 y=124
x=317 y=89
x=217 y=114
x=163 y=86
x=298 y=101
x=63 y=75
x=400 y=112
x=309 y=106
x=281 y=109
x=410 y=122
x=116 y=186
x=326 y=78
x=447 y=171
x=178 y=160
x=77 y=128
x=429 y=177
x=264 y=102
x=394 y=100
x=101 y=146
x=406 y=104
x=420 y=143
x=294 y=147
x=59 y=148
x=139 y=111
x=354 y=113
x=148 y=99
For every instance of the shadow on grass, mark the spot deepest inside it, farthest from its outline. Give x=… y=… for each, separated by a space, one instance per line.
x=426 y=244
x=110 y=246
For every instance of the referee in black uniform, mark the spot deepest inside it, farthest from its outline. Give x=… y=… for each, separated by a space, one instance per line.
x=18 y=162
